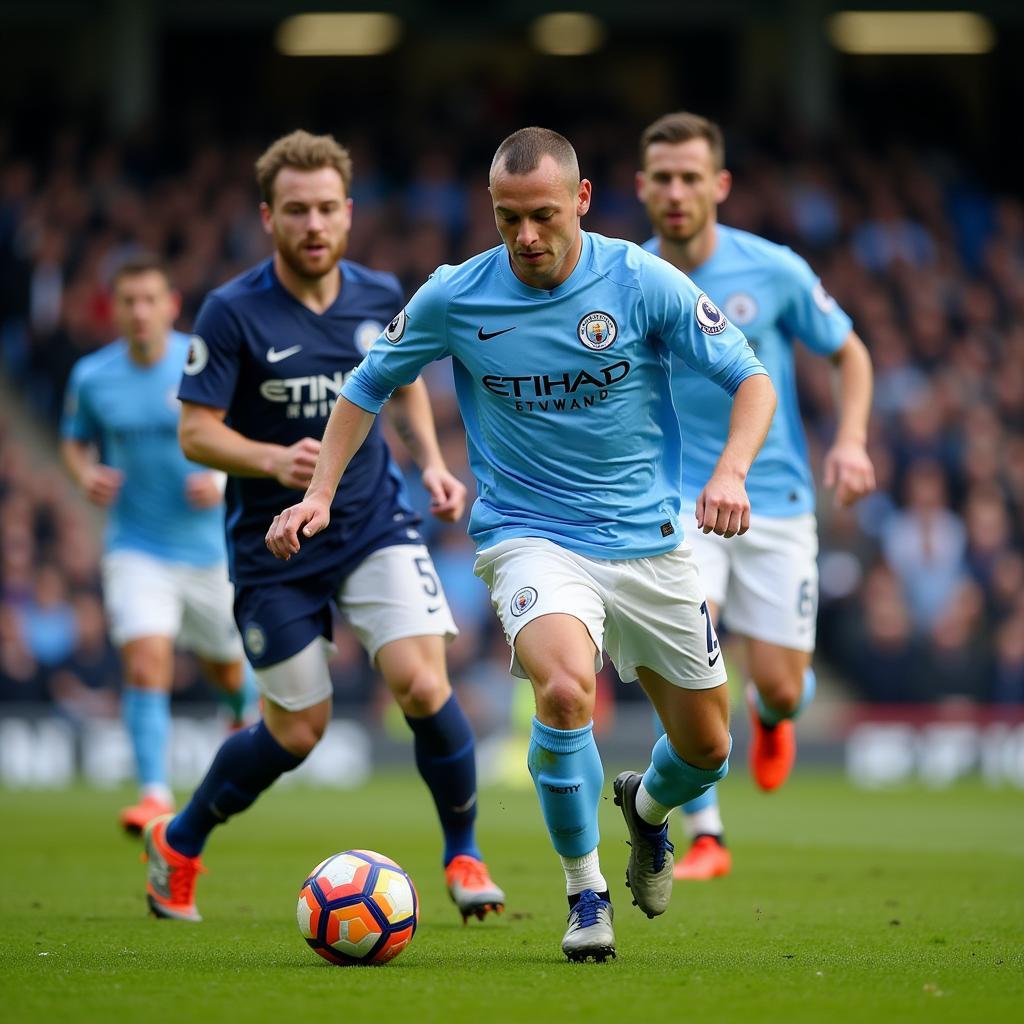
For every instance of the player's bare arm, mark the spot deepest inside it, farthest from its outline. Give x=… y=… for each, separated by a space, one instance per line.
x=848 y=466
x=205 y=438
x=346 y=430
x=205 y=489
x=413 y=420
x=723 y=506
x=99 y=483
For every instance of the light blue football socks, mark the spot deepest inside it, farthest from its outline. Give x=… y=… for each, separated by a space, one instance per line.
x=147 y=717
x=771 y=717
x=567 y=771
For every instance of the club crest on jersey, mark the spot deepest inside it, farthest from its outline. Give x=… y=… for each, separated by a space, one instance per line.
x=822 y=299
x=396 y=328
x=597 y=330
x=366 y=334
x=523 y=600
x=198 y=356
x=740 y=308
x=710 y=319
x=255 y=639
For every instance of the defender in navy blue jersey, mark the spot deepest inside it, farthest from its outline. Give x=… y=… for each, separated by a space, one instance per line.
x=766 y=583
x=560 y=342
x=270 y=354
x=164 y=579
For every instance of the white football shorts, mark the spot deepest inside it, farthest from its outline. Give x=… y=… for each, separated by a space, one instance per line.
x=645 y=612
x=765 y=583
x=394 y=593
x=147 y=596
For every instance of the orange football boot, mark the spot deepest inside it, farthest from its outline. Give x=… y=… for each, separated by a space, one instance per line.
x=171 y=876
x=471 y=888
x=706 y=858
x=772 y=748
x=135 y=818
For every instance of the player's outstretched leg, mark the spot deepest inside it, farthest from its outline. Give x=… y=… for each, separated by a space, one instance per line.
x=773 y=735
x=247 y=763
x=568 y=774
x=147 y=718
x=707 y=856
x=414 y=669
x=646 y=803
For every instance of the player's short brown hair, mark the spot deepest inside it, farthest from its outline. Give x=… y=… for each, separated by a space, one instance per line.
x=683 y=126
x=140 y=263
x=523 y=151
x=304 y=152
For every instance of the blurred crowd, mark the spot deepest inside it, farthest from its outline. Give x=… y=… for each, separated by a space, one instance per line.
x=922 y=586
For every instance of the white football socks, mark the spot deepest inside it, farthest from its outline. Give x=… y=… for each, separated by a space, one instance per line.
x=705 y=822
x=583 y=873
x=649 y=809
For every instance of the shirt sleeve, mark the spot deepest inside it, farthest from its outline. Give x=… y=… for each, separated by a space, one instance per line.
x=810 y=313
x=418 y=335
x=693 y=328
x=77 y=421
x=211 y=371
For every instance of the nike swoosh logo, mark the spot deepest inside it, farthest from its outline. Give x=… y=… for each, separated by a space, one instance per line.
x=484 y=336
x=466 y=806
x=273 y=356
x=430 y=611
x=711 y=661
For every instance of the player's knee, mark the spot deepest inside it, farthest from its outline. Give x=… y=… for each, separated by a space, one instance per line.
x=564 y=701
x=422 y=692
x=301 y=737
x=143 y=673
x=780 y=689
x=709 y=752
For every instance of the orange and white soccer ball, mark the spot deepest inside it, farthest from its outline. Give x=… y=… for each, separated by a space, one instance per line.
x=358 y=907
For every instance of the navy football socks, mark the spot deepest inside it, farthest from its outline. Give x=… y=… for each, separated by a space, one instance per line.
x=246 y=764
x=446 y=758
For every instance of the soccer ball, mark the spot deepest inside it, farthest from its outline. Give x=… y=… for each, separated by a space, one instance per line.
x=358 y=907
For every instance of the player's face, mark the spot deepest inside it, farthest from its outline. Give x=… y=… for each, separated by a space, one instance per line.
x=681 y=188
x=144 y=307
x=309 y=220
x=538 y=217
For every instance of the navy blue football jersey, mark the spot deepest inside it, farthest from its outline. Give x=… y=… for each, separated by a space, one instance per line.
x=277 y=368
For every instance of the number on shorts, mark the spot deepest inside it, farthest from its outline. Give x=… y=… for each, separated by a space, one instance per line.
x=431 y=586
x=806 y=603
x=710 y=632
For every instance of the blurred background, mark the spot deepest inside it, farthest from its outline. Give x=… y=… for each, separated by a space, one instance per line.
x=883 y=148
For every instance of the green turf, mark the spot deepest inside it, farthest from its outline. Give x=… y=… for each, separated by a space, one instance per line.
x=844 y=906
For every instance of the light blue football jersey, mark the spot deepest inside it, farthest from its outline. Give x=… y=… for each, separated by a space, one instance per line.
x=131 y=413
x=565 y=392
x=774 y=297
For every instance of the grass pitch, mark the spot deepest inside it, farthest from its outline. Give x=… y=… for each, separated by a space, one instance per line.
x=843 y=906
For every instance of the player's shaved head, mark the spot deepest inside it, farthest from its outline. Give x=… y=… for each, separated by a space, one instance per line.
x=683 y=126
x=522 y=152
x=303 y=152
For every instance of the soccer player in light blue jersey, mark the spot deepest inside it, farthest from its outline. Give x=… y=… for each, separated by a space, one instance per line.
x=560 y=342
x=766 y=583
x=164 y=572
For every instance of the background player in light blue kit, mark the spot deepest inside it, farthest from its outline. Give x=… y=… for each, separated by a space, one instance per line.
x=164 y=573
x=766 y=583
x=271 y=351
x=560 y=342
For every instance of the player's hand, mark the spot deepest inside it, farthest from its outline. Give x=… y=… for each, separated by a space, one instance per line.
x=447 y=494
x=849 y=470
x=102 y=484
x=296 y=463
x=204 y=490
x=306 y=519
x=723 y=506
